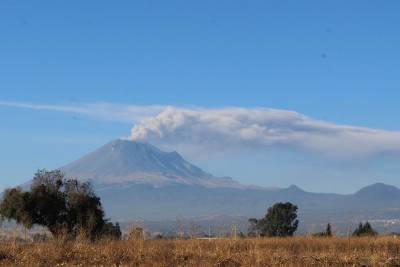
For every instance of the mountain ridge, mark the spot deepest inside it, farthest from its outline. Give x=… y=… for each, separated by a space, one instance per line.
x=137 y=180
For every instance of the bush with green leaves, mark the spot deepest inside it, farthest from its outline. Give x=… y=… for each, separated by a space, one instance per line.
x=280 y=220
x=64 y=206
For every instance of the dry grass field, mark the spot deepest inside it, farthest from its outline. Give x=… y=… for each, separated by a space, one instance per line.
x=297 y=251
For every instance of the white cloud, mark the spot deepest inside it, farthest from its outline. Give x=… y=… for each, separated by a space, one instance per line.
x=101 y=110
x=208 y=130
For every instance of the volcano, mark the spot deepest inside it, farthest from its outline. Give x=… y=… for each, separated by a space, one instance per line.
x=138 y=180
x=128 y=162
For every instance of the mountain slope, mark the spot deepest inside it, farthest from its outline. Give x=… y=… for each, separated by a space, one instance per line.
x=138 y=180
x=123 y=161
x=378 y=191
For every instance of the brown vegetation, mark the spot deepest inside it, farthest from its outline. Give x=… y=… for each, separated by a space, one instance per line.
x=294 y=251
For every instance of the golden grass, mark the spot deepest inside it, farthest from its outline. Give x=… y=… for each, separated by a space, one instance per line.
x=297 y=251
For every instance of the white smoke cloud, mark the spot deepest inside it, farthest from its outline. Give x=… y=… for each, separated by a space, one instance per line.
x=261 y=128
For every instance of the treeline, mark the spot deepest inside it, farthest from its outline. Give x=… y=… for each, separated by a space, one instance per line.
x=281 y=221
x=70 y=208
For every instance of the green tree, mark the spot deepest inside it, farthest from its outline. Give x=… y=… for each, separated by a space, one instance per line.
x=280 y=220
x=61 y=205
x=48 y=206
x=84 y=211
x=16 y=205
x=365 y=230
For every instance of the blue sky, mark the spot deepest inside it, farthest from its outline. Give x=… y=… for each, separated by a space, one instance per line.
x=335 y=61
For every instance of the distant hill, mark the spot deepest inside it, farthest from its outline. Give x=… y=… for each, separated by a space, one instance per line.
x=138 y=180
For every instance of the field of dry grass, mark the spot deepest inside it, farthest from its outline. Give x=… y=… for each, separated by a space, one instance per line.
x=297 y=251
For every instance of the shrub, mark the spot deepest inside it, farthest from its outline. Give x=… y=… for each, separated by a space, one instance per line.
x=280 y=220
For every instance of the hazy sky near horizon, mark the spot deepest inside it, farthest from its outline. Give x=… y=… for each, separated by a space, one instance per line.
x=275 y=92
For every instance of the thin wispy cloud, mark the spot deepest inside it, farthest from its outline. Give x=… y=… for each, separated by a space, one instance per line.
x=100 y=111
x=216 y=129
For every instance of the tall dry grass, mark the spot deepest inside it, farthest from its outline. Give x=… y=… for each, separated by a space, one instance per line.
x=297 y=251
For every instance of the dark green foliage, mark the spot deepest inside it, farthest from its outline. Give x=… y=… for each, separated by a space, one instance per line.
x=63 y=206
x=280 y=220
x=16 y=205
x=112 y=231
x=48 y=205
x=326 y=233
x=365 y=230
x=84 y=211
